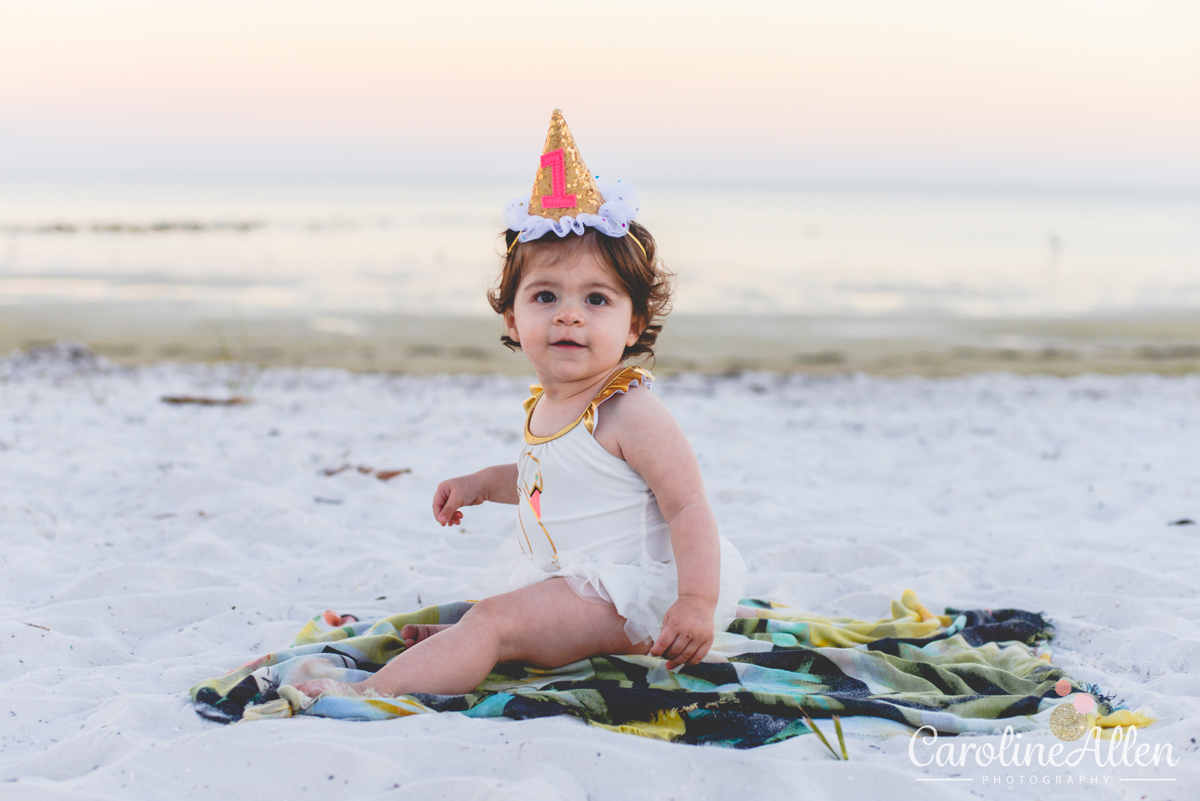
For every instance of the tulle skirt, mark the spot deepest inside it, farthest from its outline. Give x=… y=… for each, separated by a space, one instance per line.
x=641 y=591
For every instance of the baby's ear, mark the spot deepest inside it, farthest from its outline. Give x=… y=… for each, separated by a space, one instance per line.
x=510 y=325
x=636 y=328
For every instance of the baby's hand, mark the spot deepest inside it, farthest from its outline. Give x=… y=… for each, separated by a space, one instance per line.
x=454 y=493
x=687 y=632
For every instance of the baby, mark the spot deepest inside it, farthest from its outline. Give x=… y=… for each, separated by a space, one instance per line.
x=620 y=550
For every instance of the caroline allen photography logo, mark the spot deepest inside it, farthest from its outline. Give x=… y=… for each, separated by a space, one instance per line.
x=1068 y=722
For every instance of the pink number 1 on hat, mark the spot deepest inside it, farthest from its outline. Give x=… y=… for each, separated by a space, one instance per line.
x=556 y=161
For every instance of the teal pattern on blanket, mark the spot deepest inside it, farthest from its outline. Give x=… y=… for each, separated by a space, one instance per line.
x=965 y=671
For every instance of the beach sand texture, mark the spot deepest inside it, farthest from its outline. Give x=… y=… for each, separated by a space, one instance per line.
x=148 y=546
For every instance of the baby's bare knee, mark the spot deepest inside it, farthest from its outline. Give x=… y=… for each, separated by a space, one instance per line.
x=508 y=626
x=490 y=613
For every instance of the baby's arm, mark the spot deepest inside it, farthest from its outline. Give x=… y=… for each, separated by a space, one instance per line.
x=654 y=445
x=497 y=484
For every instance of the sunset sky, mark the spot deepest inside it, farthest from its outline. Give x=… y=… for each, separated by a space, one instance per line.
x=1048 y=93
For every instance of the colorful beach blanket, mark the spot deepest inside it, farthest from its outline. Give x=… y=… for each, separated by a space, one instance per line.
x=976 y=670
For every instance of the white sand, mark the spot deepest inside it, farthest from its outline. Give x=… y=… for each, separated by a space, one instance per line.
x=147 y=547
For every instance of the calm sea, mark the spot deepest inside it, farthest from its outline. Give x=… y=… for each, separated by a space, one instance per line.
x=340 y=247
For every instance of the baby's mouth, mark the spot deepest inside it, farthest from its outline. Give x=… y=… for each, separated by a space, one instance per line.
x=566 y=343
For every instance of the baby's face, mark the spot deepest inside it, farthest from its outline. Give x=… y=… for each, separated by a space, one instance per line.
x=571 y=317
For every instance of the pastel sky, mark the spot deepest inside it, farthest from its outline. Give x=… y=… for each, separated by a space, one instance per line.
x=1052 y=92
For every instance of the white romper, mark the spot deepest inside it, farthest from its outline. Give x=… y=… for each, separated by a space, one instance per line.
x=587 y=516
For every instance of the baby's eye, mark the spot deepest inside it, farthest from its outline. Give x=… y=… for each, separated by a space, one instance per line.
x=596 y=299
x=545 y=296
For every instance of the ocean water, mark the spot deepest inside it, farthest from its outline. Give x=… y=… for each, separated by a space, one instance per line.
x=333 y=248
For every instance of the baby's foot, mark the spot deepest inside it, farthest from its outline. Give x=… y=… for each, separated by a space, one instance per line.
x=414 y=633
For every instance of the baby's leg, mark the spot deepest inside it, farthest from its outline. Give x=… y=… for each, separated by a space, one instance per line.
x=546 y=625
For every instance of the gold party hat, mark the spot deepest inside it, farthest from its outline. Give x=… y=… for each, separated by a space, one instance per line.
x=563 y=185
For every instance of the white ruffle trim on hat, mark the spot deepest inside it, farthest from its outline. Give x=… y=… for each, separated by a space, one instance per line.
x=620 y=208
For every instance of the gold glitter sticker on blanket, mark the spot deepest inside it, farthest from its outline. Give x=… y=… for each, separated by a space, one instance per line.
x=1067 y=724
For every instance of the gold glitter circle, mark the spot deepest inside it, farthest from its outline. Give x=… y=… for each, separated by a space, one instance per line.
x=1066 y=723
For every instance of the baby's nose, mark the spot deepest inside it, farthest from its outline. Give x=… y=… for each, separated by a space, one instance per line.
x=569 y=312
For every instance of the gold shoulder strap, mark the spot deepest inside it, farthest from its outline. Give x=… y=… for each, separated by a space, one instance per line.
x=621 y=382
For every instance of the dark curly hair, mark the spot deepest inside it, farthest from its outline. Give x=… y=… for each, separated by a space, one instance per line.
x=641 y=276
